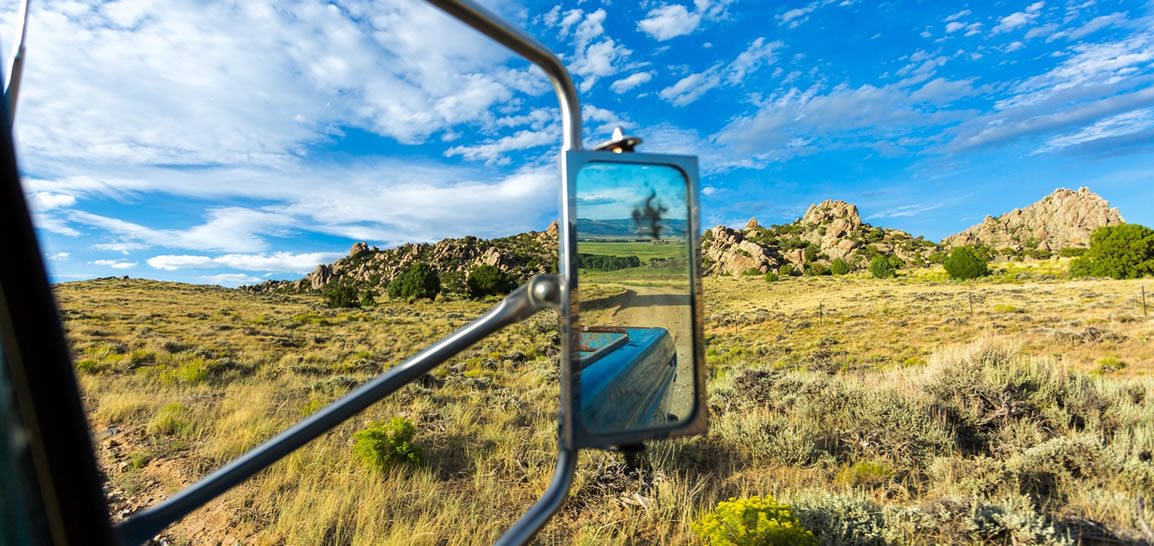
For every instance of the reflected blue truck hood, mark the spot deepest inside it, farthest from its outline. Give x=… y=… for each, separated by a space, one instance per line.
x=624 y=376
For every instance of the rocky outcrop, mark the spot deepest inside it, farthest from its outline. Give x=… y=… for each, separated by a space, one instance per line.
x=827 y=231
x=731 y=254
x=522 y=255
x=1065 y=218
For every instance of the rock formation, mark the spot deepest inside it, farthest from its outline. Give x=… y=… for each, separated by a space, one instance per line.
x=522 y=255
x=827 y=231
x=1065 y=218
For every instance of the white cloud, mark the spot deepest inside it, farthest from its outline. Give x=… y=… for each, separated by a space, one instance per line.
x=605 y=120
x=957 y=15
x=492 y=152
x=954 y=26
x=794 y=122
x=942 y=91
x=60 y=256
x=571 y=18
x=906 y=210
x=115 y=264
x=47 y=200
x=796 y=16
x=231 y=279
x=633 y=80
x=121 y=247
x=669 y=21
x=758 y=53
x=247 y=82
x=1014 y=46
x=1019 y=18
x=1096 y=24
x=1025 y=121
x=973 y=29
x=692 y=87
x=1048 y=30
x=227 y=229
x=275 y=262
x=595 y=55
x=1135 y=123
x=386 y=201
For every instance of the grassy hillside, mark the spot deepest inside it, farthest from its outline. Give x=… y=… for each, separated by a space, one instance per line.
x=884 y=411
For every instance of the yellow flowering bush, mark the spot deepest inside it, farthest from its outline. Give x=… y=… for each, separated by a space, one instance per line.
x=755 y=521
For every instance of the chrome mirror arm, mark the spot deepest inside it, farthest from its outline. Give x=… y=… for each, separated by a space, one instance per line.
x=543 y=291
x=16 y=68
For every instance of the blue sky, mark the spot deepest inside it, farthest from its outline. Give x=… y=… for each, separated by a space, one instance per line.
x=231 y=143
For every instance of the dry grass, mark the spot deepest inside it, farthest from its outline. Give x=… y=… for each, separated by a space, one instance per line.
x=865 y=411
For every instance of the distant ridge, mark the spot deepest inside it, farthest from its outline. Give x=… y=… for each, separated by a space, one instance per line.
x=523 y=255
x=1065 y=218
x=625 y=228
x=828 y=231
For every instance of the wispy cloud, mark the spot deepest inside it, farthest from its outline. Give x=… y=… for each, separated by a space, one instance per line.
x=275 y=262
x=906 y=210
x=795 y=17
x=115 y=264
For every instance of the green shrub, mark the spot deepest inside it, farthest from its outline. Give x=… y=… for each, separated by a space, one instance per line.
x=814 y=270
x=752 y=522
x=771 y=277
x=1124 y=251
x=487 y=280
x=897 y=262
x=385 y=444
x=420 y=281
x=369 y=299
x=89 y=365
x=881 y=268
x=1071 y=251
x=869 y=474
x=340 y=296
x=193 y=371
x=1107 y=365
x=965 y=263
x=811 y=251
x=839 y=267
x=788 y=270
x=752 y=271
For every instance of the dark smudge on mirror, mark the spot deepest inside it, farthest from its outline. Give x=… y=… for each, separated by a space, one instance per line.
x=634 y=327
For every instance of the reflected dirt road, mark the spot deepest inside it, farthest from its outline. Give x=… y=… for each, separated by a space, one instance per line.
x=653 y=306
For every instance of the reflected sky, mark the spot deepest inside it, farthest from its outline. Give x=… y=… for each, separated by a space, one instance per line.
x=613 y=191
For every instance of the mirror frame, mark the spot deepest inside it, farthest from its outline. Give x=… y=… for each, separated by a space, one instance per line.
x=574 y=435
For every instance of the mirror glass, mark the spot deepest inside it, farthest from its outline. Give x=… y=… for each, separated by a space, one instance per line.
x=633 y=350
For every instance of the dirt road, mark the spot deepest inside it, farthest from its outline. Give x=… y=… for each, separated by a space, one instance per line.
x=653 y=306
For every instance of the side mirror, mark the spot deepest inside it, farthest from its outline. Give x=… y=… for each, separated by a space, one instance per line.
x=633 y=355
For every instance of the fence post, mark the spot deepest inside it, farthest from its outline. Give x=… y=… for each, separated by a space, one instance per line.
x=1143 y=288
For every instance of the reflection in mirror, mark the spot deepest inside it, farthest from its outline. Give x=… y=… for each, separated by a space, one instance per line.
x=634 y=324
